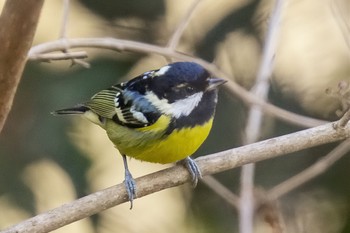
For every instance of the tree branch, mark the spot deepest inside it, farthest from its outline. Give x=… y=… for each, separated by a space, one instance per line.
x=18 y=22
x=317 y=168
x=65 y=14
x=255 y=119
x=221 y=191
x=59 y=56
x=311 y=172
x=175 y=38
x=344 y=120
x=178 y=175
x=127 y=45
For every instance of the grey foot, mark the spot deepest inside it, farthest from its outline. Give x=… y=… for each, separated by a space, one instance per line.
x=193 y=169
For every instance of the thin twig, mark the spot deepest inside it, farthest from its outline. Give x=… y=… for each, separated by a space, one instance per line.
x=222 y=191
x=59 y=56
x=311 y=172
x=247 y=202
x=255 y=118
x=18 y=23
x=63 y=35
x=344 y=120
x=178 y=175
x=175 y=38
x=340 y=13
x=64 y=25
x=127 y=45
x=317 y=168
x=81 y=62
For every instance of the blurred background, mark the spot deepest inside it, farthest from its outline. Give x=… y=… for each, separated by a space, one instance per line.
x=46 y=161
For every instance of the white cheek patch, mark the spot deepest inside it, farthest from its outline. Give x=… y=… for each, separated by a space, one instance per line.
x=162 y=71
x=182 y=107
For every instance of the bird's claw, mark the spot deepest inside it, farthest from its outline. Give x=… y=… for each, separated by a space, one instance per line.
x=193 y=169
x=130 y=186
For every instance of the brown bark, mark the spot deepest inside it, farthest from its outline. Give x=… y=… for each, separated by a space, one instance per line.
x=18 y=22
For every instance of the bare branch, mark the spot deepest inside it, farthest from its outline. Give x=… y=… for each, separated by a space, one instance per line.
x=80 y=62
x=178 y=175
x=63 y=36
x=340 y=14
x=175 y=38
x=344 y=120
x=18 y=22
x=311 y=172
x=63 y=31
x=127 y=45
x=255 y=118
x=58 y=56
x=317 y=168
x=247 y=201
x=222 y=191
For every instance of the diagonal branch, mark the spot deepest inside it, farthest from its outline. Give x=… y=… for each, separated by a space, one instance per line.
x=311 y=172
x=59 y=56
x=255 y=119
x=221 y=191
x=178 y=175
x=175 y=38
x=64 y=25
x=63 y=35
x=18 y=22
x=340 y=14
x=317 y=168
x=344 y=120
x=127 y=45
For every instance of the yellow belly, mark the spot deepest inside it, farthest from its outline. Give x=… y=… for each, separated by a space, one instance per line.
x=147 y=144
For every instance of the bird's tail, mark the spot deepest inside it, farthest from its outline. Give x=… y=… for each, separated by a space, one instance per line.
x=71 y=111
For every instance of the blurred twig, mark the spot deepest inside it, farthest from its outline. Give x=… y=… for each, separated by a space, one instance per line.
x=175 y=38
x=319 y=167
x=64 y=24
x=178 y=175
x=221 y=190
x=14 y=46
x=127 y=45
x=344 y=120
x=340 y=13
x=247 y=202
x=311 y=172
x=59 y=56
x=255 y=118
x=63 y=36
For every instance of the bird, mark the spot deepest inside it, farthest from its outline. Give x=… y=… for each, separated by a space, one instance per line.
x=161 y=116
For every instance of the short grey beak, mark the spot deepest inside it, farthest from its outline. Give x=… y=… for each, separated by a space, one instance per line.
x=214 y=82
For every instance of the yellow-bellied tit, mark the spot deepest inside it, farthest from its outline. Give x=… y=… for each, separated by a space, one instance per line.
x=161 y=116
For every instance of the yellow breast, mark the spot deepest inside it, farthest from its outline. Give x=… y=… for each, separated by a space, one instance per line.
x=149 y=144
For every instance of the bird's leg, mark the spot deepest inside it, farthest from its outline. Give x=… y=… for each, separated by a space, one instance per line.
x=129 y=182
x=193 y=169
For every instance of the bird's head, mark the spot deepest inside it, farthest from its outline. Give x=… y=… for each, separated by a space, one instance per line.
x=178 y=81
x=177 y=88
